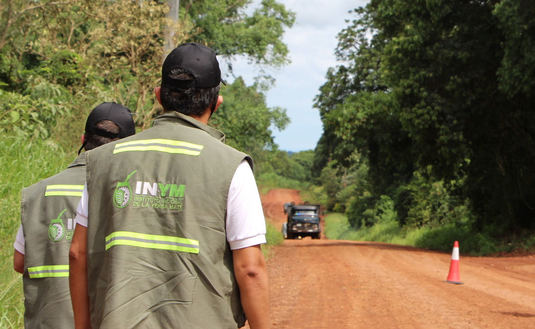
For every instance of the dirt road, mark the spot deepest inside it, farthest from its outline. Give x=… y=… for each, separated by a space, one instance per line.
x=343 y=284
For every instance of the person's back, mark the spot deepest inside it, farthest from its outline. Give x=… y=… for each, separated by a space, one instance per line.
x=173 y=224
x=47 y=214
x=47 y=224
x=157 y=200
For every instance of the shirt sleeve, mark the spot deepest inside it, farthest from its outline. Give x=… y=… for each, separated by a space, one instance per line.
x=245 y=225
x=81 y=210
x=20 y=243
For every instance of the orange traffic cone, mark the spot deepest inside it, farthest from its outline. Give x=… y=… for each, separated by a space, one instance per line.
x=454 y=276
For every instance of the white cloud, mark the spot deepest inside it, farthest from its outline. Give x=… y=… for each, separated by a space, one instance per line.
x=320 y=12
x=311 y=42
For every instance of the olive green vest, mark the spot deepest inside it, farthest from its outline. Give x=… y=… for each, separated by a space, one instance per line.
x=157 y=250
x=48 y=209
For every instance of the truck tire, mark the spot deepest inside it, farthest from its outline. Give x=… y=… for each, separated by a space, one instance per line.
x=316 y=236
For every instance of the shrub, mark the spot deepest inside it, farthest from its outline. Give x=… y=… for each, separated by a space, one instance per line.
x=427 y=202
x=28 y=116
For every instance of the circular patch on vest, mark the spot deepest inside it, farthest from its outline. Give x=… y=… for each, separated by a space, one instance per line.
x=123 y=192
x=121 y=196
x=56 y=231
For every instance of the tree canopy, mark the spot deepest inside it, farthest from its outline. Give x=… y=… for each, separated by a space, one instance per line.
x=58 y=59
x=231 y=29
x=440 y=90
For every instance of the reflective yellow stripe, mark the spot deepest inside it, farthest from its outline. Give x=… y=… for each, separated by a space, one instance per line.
x=64 y=190
x=152 y=241
x=48 y=271
x=159 y=145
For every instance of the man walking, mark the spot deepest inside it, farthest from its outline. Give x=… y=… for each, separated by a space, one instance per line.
x=173 y=219
x=47 y=213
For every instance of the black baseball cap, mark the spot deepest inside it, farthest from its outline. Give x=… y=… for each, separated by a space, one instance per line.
x=195 y=59
x=116 y=113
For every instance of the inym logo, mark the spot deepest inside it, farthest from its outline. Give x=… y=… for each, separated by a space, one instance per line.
x=123 y=191
x=149 y=194
x=57 y=230
x=165 y=190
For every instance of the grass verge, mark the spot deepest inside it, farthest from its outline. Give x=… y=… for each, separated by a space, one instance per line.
x=273 y=236
x=433 y=238
x=23 y=163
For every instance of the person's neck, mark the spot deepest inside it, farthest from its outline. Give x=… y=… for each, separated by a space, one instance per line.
x=203 y=117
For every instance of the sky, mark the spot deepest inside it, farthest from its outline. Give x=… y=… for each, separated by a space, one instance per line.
x=311 y=42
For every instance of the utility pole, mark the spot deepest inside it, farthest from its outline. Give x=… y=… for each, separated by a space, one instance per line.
x=170 y=33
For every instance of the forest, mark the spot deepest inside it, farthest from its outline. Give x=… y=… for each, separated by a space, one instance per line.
x=428 y=119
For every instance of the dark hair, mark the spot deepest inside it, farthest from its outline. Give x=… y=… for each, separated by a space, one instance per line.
x=192 y=101
x=93 y=140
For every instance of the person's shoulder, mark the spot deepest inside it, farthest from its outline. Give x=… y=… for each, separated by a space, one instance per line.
x=221 y=144
x=231 y=151
x=108 y=148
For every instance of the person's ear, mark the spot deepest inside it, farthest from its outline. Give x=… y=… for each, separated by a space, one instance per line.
x=157 y=91
x=219 y=102
x=83 y=143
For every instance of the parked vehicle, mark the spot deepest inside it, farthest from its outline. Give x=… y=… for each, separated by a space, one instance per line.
x=303 y=220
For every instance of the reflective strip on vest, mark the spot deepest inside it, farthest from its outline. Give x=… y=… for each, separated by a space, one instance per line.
x=64 y=190
x=48 y=271
x=159 y=145
x=152 y=241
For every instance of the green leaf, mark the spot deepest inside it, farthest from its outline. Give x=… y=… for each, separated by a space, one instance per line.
x=15 y=116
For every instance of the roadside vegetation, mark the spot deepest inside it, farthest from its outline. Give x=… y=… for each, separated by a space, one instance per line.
x=429 y=125
x=273 y=237
x=58 y=60
x=291 y=170
x=439 y=238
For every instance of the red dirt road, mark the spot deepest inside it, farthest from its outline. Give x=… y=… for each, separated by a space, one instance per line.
x=317 y=284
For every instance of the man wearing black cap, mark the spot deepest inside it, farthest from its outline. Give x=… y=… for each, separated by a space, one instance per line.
x=47 y=212
x=170 y=225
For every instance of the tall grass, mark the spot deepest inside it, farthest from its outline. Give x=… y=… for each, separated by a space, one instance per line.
x=273 y=236
x=434 y=238
x=23 y=163
x=337 y=228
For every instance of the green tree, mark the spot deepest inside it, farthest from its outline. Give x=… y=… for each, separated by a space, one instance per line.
x=304 y=161
x=440 y=85
x=83 y=51
x=232 y=28
x=246 y=119
x=88 y=51
x=443 y=61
